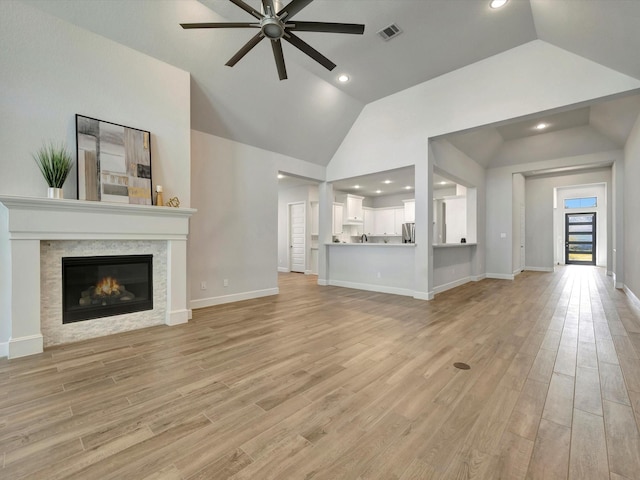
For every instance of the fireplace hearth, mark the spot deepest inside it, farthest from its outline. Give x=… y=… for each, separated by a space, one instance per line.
x=102 y=286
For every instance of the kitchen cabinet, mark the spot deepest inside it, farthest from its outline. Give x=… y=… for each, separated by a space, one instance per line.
x=409 y=210
x=384 y=221
x=398 y=220
x=315 y=218
x=338 y=209
x=353 y=210
x=368 y=215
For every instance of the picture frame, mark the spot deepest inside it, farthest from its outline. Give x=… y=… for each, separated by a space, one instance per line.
x=113 y=162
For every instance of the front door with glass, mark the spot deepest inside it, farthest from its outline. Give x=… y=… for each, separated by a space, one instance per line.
x=580 y=238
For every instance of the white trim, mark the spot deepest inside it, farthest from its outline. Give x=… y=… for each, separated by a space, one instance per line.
x=4 y=349
x=309 y=272
x=372 y=288
x=423 y=296
x=23 y=346
x=501 y=276
x=517 y=272
x=177 y=317
x=540 y=269
x=235 y=297
x=616 y=283
x=190 y=314
x=322 y=282
x=477 y=278
x=609 y=273
x=283 y=270
x=448 y=286
x=632 y=296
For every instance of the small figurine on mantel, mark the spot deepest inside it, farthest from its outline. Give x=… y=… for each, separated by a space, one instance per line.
x=159 y=199
x=173 y=202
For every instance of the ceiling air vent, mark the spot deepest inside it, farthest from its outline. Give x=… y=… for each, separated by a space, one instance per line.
x=387 y=33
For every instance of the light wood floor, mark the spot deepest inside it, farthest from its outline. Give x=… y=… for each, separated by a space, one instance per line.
x=331 y=383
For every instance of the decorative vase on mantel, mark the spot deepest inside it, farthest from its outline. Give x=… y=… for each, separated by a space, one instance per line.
x=53 y=192
x=55 y=163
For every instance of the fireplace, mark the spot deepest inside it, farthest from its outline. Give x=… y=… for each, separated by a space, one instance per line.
x=102 y=286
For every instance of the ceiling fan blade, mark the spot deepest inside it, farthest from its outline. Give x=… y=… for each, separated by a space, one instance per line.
x=248 y=8
x=268 y=4
x=292 y=8
x=220 y=25
x=309 y=50
x=276 y=45
x=353 y=28
x=244 y=50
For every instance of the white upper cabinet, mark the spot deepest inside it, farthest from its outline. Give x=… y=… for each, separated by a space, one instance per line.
x=368 y=215
x=398 y=215
x=384 y=221
x=337 y=218
x=353 y=212
x=409 y=210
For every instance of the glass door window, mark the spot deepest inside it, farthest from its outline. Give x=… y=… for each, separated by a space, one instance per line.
x=580 y=238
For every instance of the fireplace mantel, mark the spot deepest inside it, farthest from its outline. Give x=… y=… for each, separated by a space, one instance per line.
x=26 y=221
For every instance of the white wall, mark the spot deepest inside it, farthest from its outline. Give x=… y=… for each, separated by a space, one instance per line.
x=631 y=211
x=52 y=70
x=543 y=221
x=234 y=235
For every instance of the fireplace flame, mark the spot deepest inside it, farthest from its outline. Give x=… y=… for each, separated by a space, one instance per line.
x=107 y=286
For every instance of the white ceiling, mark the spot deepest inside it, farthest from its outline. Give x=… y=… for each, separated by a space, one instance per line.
x=308 y=115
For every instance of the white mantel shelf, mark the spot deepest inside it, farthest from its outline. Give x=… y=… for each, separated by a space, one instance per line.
x=26 y=221
x=60 y=219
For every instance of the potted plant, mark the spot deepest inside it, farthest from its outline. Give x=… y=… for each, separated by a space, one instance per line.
x=55 y=163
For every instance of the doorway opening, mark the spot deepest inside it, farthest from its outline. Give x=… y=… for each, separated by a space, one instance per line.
x=297 y=234
x=580 y=238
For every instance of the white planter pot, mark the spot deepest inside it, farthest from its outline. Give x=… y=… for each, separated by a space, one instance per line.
x=54 y=192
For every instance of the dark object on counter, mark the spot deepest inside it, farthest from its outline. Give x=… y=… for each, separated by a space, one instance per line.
x=463 y=240
x=364 y=238
x=409 y=232
x=336 y=240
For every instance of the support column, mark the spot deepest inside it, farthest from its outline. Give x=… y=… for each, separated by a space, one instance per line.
x=423 y=280
x=325 y=230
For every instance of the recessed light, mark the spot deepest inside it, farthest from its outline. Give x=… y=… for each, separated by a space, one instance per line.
x=378 y=191
x=498 y=3
x=356 y=186
x=280 y=176
x=408 y=187
x=343 y=78
x=387 y=182
x=443 y=183
x=541 y=126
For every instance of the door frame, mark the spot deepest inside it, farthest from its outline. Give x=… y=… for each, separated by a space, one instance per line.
x=593 y=238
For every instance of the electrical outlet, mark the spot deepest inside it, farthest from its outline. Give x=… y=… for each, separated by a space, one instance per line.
x=225 y=282
x=203 y=285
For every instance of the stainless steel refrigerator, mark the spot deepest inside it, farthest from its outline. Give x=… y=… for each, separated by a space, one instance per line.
x=409 y=232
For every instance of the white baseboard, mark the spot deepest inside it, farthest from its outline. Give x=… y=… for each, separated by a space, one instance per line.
x=283 y=269
x=309 y=272
x=423 y=295
x=632 y=296
x=23 y=346
x=372 y=288
x=616 y=283
x=609 y=273
x=4 y=349
x=477 y=278
x=501 y=276
x=322 y=282
x=540 y=269
x=190 y=314
x=450 y=285
x=177 y=317
x=235 y=297
x=517 y=272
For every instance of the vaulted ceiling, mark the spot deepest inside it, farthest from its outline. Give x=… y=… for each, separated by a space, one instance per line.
x=308 y=115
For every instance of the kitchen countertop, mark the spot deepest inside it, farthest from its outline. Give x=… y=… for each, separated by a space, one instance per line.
x=450 y=245
x=333 y=244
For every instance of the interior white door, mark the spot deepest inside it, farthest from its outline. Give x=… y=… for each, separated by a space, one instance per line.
x=297 y=237
x=522 y=237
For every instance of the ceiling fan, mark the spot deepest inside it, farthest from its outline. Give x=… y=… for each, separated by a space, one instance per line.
x=277 y=25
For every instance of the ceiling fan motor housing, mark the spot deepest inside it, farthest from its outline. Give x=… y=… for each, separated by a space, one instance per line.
x=272 y=28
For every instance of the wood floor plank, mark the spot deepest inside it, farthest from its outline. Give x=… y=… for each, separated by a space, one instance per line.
x=327 y=382
x=588 y=448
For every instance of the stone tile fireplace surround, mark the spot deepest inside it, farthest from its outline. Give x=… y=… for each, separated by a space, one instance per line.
x=35 y=233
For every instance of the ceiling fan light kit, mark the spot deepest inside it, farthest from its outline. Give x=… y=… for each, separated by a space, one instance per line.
x=277 y=26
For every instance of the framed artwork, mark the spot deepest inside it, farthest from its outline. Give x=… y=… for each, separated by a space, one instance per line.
x=114 y=162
